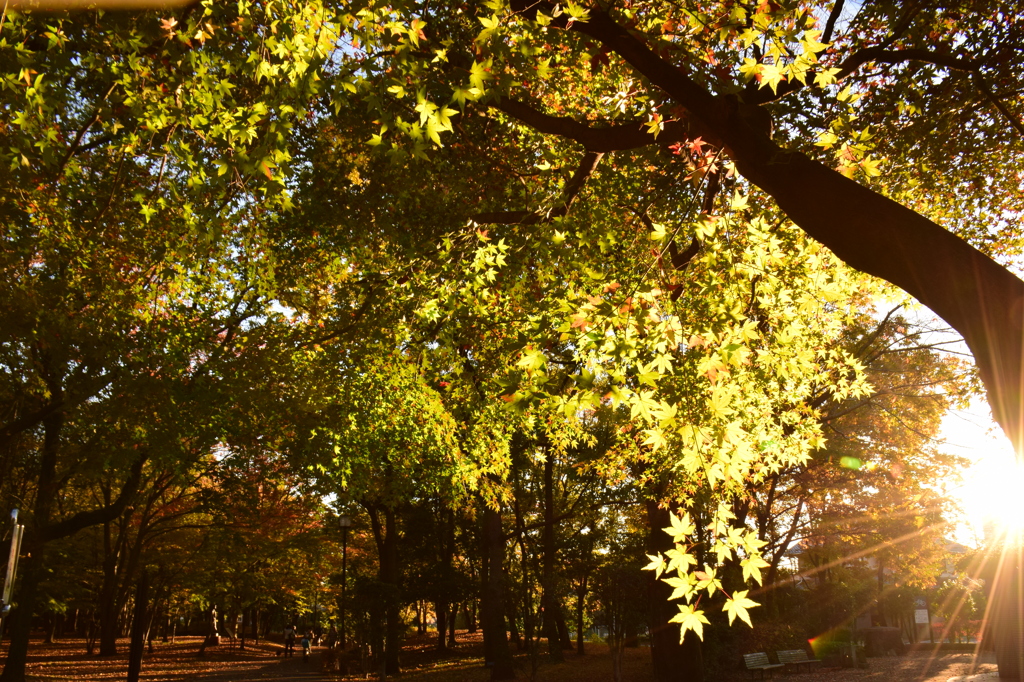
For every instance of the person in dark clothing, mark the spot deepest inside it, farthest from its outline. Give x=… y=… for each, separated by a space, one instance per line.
x=289 y=640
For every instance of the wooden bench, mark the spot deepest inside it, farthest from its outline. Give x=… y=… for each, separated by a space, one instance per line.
x=795 y=657
x=760 y=662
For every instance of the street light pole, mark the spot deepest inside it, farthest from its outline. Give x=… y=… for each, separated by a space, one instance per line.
x=17 y=530
x=345 y=522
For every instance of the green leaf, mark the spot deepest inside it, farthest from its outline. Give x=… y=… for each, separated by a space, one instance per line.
x=655 y=438
x=772 y=75
x=657 y=564
x=737 y=607
x=689 y=619
x=682 y=527
x=752 y=568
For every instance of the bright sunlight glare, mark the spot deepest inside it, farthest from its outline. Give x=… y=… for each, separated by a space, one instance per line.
x=991 y=492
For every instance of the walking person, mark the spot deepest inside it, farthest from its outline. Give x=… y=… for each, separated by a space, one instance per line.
x=289 y=640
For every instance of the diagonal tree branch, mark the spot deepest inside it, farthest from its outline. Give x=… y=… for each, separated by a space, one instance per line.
x=997 y=103
x=830 y=24
x=81 y=520
x=588 y=164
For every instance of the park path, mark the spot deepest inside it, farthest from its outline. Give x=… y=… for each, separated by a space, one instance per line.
x=178 y=662
x=283 y=669
x=66 y=661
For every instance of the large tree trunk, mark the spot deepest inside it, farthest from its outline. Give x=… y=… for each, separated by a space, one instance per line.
x=33 y=565
x=497 y=655
x=20 y=623
x=672 y=661
x=974 y=294
x=1006 y=599
x=441 y=620
x=385 y=536
x=140 y=624
x=110 y=606
x=564 y=640
x=389 y=576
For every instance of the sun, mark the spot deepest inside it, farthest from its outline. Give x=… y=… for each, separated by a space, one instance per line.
x=991 y=492
x=991 y=496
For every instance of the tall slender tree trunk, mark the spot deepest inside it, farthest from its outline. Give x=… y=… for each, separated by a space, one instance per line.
x=446 y=556
x=389 y=575
x=441 y=618
x=515 y=638
x=526 y=592
x=140 y=624
x=581 y=598
x=549 y=599
x=154 y=613
x=564 y=640
x=385 y=537
x=453 y=616
x=109 y=607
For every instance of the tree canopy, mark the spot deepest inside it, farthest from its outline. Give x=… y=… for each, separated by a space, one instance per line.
x=387 y=239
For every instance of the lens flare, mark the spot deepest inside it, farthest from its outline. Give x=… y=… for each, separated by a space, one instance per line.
x=991 y=497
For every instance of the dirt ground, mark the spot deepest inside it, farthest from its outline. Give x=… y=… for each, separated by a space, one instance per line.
x=67 y=661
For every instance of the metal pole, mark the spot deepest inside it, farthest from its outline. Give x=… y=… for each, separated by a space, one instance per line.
x=17 y=531
x=344 y=579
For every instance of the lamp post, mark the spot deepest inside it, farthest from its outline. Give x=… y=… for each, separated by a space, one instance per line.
x=345 y=521
x=17 y=530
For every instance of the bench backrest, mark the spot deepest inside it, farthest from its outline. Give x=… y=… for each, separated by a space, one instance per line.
x=792 y=656
x=756 y=660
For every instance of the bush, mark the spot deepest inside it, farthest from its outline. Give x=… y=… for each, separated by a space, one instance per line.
x=774 y=636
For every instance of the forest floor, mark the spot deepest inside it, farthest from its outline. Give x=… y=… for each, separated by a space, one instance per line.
x=67 y=661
